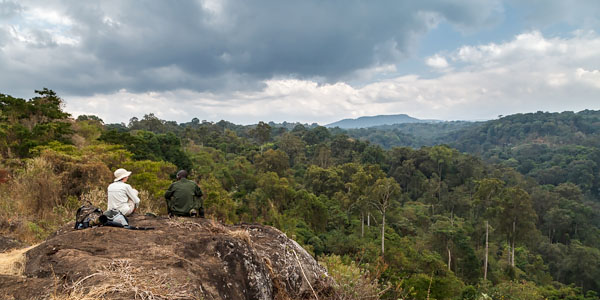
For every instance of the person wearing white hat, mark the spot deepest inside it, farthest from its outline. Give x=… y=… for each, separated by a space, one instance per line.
x=121 y=196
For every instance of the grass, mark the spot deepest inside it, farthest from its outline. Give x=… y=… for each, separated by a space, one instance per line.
x=121 y=279
x=13 y=262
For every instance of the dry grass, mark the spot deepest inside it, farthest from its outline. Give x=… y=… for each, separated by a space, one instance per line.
x=32 y=204
x=37 y=189
x=120 y=279
x=150 y=205
x=241 y=234
x=13 y=262
x=96 y=197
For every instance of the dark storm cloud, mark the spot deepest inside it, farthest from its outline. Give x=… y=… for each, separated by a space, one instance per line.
x=262 y=39
x=223 y=45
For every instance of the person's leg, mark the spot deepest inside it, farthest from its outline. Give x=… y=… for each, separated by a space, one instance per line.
x=131 y=207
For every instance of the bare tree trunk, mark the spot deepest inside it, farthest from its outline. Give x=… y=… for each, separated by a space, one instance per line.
x=383 y=234
x=368 y=219
x=449 y=256
x=440 y=183
x=512 y=262
x=485 y=265
x=362 y=224
x=429 y=288
x=509 y=250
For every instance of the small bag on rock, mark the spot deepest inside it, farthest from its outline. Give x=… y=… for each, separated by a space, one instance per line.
x=114 y=218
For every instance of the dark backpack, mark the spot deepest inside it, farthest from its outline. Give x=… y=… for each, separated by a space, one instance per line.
x=87 y=216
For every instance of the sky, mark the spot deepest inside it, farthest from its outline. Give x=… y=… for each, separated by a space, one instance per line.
x=309 y=61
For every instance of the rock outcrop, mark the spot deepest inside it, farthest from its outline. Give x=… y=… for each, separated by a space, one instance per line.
x=181 y=258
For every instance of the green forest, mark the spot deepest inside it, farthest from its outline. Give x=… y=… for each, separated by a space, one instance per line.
x=503 y=209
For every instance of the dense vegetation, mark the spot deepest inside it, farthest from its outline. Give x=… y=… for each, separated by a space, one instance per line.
x=413 y=135
x=391 y=223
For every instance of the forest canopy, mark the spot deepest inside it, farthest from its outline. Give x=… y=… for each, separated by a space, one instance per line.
x=507 y=208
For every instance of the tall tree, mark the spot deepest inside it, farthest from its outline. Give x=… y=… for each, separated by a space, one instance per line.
x=262 y=132
x=517 y=217
x=384 y=192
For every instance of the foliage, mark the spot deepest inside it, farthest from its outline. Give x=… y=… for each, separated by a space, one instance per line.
x=27 y=124
x=352 y=281
x=388 y=222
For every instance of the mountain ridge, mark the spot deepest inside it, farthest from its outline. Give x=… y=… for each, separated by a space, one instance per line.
x=378 y=120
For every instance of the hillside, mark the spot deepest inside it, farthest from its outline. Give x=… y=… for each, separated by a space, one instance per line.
x=552 y=148
x=182 y=258
x=370 y=121
x=415 y=135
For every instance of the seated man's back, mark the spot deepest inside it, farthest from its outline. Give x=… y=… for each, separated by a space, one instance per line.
x=183 y=196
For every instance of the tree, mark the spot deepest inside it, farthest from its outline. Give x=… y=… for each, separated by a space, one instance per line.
x=217 y=201
x=322 y=156
x=517 y=217
x=323 y=181
x=262 y=132
x=384 y=192
x=488 y=191
x=317 y=135
x=293 y=146
x=441 y=155
x=273 y=161
x=27 y=124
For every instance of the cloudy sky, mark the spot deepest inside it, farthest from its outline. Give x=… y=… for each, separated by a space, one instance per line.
x=307 y=61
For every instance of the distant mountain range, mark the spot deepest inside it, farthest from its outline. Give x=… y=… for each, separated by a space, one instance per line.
x=372 y=121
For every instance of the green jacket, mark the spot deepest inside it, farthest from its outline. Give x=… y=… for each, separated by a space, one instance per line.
x=182 y=196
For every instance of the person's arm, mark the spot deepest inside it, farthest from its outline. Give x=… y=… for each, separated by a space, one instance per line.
x=132 y=195
x=169 y=192
x=168 y=195
x=200 y=203
x=198 y=191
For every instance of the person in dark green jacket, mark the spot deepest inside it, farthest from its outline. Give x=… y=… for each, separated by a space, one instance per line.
x=184 y=197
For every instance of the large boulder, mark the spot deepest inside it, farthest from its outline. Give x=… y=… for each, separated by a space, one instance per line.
x=181 y=258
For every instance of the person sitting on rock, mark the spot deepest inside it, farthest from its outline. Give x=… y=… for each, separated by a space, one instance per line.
x=121 y=196
x=184 y=197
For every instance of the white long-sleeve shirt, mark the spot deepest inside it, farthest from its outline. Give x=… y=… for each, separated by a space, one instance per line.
x=118 y=194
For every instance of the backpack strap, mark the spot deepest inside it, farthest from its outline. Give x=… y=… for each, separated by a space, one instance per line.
x=138 y=228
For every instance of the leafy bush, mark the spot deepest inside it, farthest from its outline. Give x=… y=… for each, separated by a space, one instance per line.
x=352 y=281
x=37 y=189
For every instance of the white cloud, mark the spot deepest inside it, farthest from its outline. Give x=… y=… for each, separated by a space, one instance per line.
x=589 y=77
x=437 y=62
x=48 y=16
x=529 y=73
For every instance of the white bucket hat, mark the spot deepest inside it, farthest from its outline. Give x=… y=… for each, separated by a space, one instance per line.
x=121 y=173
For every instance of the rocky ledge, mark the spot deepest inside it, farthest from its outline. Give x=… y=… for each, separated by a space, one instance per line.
x=182 y=258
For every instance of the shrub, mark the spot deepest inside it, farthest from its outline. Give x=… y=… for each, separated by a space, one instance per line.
x=3 y=176
x=37 y=189
x=352 y=281
x=78 y=174
x=217 y=201
x=153 y=178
